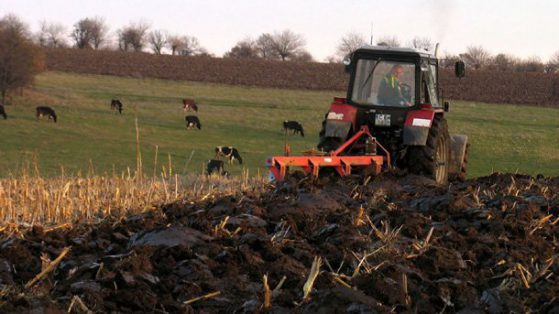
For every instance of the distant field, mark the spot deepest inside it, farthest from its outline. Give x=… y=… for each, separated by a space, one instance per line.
x=89 y=136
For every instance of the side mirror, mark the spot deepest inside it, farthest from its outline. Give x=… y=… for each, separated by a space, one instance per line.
x=460 y=69
x=446 y=106
x=347 y=63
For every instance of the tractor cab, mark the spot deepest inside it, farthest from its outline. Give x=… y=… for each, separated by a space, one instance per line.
x=384 y=77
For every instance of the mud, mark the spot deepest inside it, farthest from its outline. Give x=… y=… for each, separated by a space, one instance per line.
x=488 y=245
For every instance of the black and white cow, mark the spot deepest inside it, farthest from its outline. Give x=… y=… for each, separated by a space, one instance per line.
x=216 y=166
x=192 y=122
x=44 y=111
x=3 y=112
x=116 y=104
x=228 y=152
x=295 y=126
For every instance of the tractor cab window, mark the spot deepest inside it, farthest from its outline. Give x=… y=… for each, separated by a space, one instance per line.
x=429 y=84
x=384 y=83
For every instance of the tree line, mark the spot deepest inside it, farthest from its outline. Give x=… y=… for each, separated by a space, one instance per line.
x=21 y=58
x=286 y=45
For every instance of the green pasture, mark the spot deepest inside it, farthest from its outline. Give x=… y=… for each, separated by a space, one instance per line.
x=91 y=137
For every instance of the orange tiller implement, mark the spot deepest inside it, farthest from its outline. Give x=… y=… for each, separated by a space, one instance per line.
x=341 y=163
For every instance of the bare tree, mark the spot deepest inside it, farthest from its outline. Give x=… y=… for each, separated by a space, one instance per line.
x=157 y=40
x=476 y=57
x=389 y=41
x=133 y=36
x=503 y=62
x=349 y=43
x=422 y=43
x=186 y=46
x=175 y=43
x=552 y=65
x=20 y=59
x=98 y=32
x=244 y=49
x=265 y=46
x=287 y=44
x=89 y=33
x=51 y=35
x=190 y=46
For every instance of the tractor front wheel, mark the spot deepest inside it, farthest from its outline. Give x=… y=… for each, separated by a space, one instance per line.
x=432 y=160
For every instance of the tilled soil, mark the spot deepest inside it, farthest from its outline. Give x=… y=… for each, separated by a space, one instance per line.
x=487 y=245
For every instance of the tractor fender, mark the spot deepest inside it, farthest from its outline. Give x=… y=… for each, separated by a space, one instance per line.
x=417 y=125
x=340 y=120
x=458 y=143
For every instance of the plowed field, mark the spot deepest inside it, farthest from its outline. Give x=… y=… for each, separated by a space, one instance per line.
x=396 y=244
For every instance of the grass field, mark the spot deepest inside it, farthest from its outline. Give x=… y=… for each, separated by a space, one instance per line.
x=89 y=136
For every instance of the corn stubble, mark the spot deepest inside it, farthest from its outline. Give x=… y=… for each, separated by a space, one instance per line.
x=35 y=200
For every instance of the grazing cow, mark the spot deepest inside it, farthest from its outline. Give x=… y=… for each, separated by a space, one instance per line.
x=192 y=121
x=295 y=126
x=216 y=166
x=229 y=152
x=116 y=104
x=3 y=112
x=44 y=111
x=189 y=104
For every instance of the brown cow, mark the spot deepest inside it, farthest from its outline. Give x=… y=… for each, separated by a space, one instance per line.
x=189 y=104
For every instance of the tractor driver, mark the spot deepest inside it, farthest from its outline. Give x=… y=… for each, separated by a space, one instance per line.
x=390 y=89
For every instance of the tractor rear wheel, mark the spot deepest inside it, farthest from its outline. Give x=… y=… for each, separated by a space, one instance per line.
x=432 y=160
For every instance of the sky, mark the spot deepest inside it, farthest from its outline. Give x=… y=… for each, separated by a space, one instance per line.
x=520 y=28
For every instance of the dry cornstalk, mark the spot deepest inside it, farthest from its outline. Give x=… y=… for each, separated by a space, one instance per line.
x=48 y=269
x=62 y=226
x=405 y=288
x=277 y=289
x=428 y=238
x=340 y=281
x=521 y=269
x=315 y=269
x=79 y=302
x=358 y=220
x=267 y=293
x=539 y=223
x=204 y=297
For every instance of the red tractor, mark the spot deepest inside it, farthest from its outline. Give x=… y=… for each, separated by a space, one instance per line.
x=393 y=116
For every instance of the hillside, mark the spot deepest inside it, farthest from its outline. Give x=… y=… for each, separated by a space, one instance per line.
x=479 y=86
x=90 y=136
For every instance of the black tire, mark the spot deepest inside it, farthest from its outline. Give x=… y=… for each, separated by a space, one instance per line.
x=432 y=160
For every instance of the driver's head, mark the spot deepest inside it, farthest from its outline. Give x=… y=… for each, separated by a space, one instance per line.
x=397 y=70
